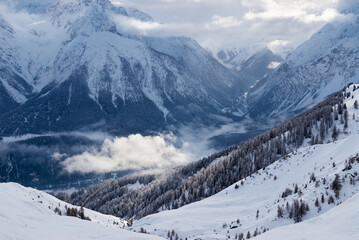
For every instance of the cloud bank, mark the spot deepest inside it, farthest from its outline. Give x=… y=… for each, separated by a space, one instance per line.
x=135 y=152
x=232 y=23
x=218 y=24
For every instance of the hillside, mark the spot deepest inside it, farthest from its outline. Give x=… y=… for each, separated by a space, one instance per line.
x=338 y=223
x=316 y=177
x=196 y=181
x=26 y=213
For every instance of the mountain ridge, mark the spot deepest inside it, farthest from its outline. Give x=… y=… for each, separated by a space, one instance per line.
x=173 y=76
x=319 y=67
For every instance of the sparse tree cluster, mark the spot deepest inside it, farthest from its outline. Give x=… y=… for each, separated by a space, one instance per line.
x=74 y=212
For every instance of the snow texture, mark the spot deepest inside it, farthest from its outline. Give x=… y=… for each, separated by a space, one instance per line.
x=26 y=213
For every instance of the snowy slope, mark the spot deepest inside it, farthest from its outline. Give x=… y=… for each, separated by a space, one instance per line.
x=324 y=64
x=338 y=223
x=312 y=168
x=235 y=57
x=26 y=213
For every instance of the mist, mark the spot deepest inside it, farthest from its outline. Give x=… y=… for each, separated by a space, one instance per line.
x=160 y=151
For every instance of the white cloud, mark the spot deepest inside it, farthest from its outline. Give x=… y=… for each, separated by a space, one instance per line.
x=229 y=23
x=224 y=22
x=117 y=3
x=134 y=25
x=232 y=23
x=134 y=152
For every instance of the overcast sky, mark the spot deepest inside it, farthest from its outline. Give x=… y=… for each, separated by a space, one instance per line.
x=217 y=24
x=220 y=24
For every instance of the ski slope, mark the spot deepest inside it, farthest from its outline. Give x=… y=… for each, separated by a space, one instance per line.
x=26 y=213
x=216 y=217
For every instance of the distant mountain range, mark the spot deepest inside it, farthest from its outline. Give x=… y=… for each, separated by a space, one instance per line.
x=77 y=67
x=324 y=64
x=253 y=63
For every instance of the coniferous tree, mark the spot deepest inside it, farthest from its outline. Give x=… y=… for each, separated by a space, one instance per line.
x=279 y=212
x=335 y=132
x=346 y=119
x=336 y=185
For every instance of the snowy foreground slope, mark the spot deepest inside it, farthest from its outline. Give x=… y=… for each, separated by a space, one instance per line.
x=26 y=213
x=339 y=223
x=251 y=205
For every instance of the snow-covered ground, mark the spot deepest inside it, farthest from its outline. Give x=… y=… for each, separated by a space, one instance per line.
x=338 y=223
x=313 y=168
x=26 y=213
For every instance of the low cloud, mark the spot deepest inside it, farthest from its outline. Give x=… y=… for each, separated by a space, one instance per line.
x=224 y=22
x=229 y=23
x=218 y=24
x=135 y=152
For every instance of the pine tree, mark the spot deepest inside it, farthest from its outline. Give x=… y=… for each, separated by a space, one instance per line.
x=279 y=212
x=345 y=119
x=335 y=132
x=336 y=185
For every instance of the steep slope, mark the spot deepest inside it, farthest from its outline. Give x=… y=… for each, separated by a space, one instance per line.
x=128 y=82
x=14 y=89
x=308 y=183
x=32 y=6
x=235 y=57
x=252 y=63
x=319 y=67
x=260 y=65
x=338 y=223
x=30 y=214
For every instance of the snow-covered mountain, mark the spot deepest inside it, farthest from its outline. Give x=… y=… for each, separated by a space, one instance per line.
x=31 y=6
x=26 y=213
x=316 y=184
x=80 y=62
x=235 y=57
x=252 y=64
x=259 y=65
x=324 y=64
